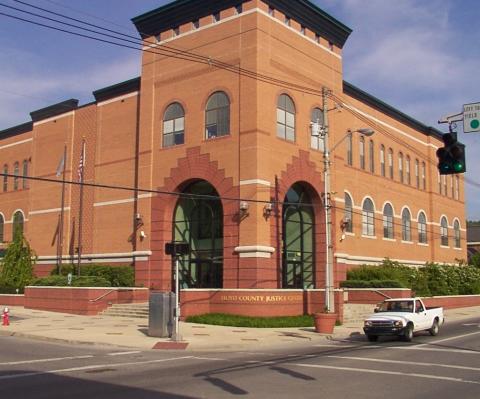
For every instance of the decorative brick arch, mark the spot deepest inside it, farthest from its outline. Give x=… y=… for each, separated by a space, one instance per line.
x=302 y=170
x=194 y=166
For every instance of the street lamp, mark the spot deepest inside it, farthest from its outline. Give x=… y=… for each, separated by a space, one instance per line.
x=322 y=131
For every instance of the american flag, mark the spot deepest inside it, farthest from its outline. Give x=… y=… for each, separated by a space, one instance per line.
x=81 y=164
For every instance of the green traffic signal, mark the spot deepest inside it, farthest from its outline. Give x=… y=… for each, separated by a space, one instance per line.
x=451 y=157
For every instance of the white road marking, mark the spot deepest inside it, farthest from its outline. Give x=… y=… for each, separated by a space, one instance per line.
x=123 y=353
x=357 y=370
x=451 y=338
x=367 y=359
x=422 y=348
x=333 y=346
x=207 y=358
x=471 y=324
x=54 y=359
x=92 y=367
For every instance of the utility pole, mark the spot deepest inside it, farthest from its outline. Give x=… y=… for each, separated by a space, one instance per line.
x=329 y=293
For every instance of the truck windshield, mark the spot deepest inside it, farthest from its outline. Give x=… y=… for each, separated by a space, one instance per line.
x=396 y=306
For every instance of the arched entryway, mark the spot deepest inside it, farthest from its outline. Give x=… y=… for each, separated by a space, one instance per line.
x=298 y=255
x=198 y=220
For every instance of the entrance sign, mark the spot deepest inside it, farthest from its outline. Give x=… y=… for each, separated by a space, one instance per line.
x=471 y=118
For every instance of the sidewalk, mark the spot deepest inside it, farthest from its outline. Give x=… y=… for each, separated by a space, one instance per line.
x=132 y=333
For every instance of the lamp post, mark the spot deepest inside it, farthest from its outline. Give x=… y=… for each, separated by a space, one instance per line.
x=322 y=130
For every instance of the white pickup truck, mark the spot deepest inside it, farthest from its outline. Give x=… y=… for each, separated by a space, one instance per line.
x=402 y=317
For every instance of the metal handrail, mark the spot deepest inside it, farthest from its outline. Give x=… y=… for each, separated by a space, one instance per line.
x=382 y=294
x=103 y=295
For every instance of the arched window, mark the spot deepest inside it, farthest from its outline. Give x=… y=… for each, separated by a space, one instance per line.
x=368 y=218
x=390 y=163
x=362 y=152
x=2 y=226
x=406 y=225
x=350 y=149
x=173 y=125
x=18 y=222
x=388 y=221
x=285 y=118
x=400 y=167
x=382 y=160
x=444 y=232
x=407 y=170
x=317 y=142
x=217 y=115
x=371 y=156
x=417 y=173
x=422 y=228
x=16 y=175
x=348 y=214
x=456 y=232
x=199 y=222
x=298 y=239
x=5 y=178
x=25 y=174
x=424 y=176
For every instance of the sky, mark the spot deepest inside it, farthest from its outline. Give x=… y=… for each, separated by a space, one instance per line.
x=421 y=57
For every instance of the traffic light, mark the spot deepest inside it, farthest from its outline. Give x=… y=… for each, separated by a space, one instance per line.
x=451 y=157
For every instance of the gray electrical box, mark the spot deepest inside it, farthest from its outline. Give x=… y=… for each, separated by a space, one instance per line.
x=161 y=314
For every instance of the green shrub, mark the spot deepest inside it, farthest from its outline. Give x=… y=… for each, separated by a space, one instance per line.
x=82 y=281
x=10 y=290
x=222 y=319
x=371 y=284
x=118 y=276
x=432 y=279
x=16 y=267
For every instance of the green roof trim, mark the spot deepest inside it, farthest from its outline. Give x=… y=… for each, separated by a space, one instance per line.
x=387 y=109
x=180 y=12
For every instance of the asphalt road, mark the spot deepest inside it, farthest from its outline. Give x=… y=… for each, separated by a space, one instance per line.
x=445 y=366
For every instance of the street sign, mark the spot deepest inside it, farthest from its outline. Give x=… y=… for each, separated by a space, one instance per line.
x=471 y=118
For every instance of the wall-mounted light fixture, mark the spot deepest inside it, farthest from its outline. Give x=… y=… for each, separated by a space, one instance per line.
x=243 y=209
x=267 y=210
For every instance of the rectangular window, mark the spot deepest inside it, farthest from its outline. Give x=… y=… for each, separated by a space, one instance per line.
x=382 y=161
x=371 y=156
x=390 y=163
x=417 y=174
x=350 y=149
x=457 y=187
x=452 y=187
x=362 y=152
x=424 y=176
x=445 y=189
x=439 y=184
x=302 y=30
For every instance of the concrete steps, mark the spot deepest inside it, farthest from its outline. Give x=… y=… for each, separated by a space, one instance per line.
x=354 y=313
x=136 y=310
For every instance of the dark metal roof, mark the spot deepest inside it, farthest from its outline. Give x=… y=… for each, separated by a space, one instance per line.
x=19 y=129
x=378 y=104
x=54 y=110
x=473 y=234
x=117 y=90
x=180 y=12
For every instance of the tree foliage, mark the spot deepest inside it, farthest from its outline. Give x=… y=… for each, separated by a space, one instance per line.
x=16 y=268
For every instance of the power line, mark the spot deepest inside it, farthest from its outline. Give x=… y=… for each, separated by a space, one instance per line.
x=185 y=55
x=201 y=197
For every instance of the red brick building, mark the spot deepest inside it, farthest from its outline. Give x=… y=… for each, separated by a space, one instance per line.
x=222 y=113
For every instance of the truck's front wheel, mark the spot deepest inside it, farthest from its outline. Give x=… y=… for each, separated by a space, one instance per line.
x=408 y=334
x=434 y=329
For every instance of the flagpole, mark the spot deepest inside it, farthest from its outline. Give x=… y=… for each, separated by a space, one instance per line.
x=62 y=212
x=80 y=212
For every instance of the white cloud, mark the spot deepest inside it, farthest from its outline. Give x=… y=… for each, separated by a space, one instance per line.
x=24 y=86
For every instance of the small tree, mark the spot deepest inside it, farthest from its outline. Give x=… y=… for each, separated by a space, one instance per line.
x=17 y=265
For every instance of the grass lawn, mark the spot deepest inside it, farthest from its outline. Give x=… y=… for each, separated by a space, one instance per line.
x=221 y=319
